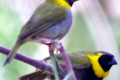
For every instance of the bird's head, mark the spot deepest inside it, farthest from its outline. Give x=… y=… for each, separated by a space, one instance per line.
x=71 y=2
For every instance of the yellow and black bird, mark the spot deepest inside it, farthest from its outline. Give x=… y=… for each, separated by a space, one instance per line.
x=86 y=65
x=51 y=21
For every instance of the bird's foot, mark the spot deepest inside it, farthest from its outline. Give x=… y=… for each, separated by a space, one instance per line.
x=54 y=46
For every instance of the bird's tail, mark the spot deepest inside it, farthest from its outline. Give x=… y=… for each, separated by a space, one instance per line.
x=12 y=54
x=38 y=75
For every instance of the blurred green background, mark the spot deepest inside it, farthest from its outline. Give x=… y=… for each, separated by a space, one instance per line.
x=13 y=16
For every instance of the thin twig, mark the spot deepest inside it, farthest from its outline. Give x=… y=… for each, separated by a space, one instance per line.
x=54 y=66
x=67 y=62
x=40 y=63
x=35 y=63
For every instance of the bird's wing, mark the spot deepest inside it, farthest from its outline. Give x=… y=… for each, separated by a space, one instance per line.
x=79 y=60
x=38 y=75
x=32 y=76
x=44 y=17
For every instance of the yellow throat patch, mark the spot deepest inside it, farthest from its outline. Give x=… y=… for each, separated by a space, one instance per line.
x=99 y=72
x=62 y=3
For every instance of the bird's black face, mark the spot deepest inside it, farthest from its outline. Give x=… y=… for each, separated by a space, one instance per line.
x=106 y=62
x=71 y=2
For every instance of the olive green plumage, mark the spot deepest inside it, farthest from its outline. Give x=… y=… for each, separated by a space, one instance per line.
x=51 y=21
x=42 y=19
x=37 y=75
x=82 y=66
x=79 y=60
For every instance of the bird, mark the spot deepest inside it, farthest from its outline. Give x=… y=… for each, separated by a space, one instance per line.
x=87 y=65
x=51 y=21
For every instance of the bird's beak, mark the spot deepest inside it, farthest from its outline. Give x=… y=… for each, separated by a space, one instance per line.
x=113 y=62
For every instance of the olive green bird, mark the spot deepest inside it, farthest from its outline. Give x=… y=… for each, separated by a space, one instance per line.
x=86 y=65
x=51 y=21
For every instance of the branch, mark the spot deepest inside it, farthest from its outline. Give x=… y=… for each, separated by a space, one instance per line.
x=67 y=62
x=35 y=63
x=40 y=63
